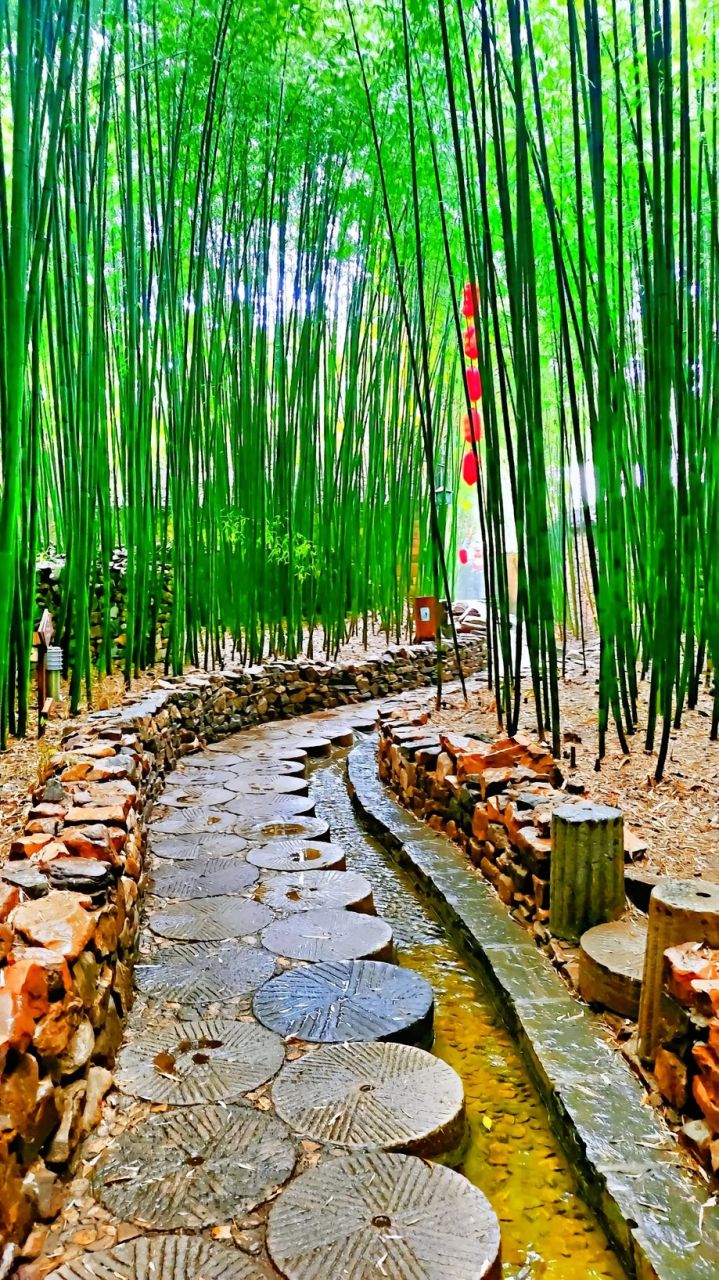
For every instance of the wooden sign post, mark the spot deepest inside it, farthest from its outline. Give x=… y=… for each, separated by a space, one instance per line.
x=42 y=639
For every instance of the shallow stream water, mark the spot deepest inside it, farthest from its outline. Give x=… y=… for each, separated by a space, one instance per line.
x=513 y=1156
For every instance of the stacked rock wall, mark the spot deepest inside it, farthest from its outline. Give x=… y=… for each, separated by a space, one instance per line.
x=69 y=895
x=493 y=799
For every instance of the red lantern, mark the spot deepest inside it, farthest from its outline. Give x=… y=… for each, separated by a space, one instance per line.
x=474 y=385
x=470 y=343
x=472 y=427
x=463 y=556
x=470 y=300
x=470 y=470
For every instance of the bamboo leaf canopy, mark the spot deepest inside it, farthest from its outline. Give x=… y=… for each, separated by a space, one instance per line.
x=242 y=248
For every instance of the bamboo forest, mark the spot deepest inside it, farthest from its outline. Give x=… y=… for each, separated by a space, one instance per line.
x=359 y=440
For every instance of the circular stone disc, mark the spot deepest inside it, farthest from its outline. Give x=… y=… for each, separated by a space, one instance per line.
x=269 y=806
x=611 y=964
x=193 y=794
x=282 y=749
x=203 y=760
x=329 y=935
x=293 y=855
x=389 y=1215
x=295 y=829
x=373 y=1095
x=340 y=735
x=206 y=1060
x=183 y=1168
x=207 y=777
x=161 y=1258
x=356 y=1000
x=209 y=919
x=265 y=784
x=313 y=746
x=195 y=821
x=308 y=890
x=203 y=878
x=189 y=847
x=200 y=973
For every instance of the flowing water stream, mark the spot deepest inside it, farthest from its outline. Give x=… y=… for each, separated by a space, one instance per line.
x=513 y=1156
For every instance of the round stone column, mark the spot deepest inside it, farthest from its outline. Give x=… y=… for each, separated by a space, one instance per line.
x=679 y=911
x=587 y=868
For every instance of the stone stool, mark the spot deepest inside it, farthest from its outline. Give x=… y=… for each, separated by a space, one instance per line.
x=679 y=911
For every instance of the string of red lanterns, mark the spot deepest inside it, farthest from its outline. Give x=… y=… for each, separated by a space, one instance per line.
x=471 y=422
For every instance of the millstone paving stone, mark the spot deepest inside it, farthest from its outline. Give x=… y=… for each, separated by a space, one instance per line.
x=356 y=1000
x=201 y=973
x=209 y=919
x=203 y=878
x=269 y=805
x=194 y=1167
x=190 y=795
x=387 y=1096
x=282 y=749
x=196 y=821
x=206 y=777
x=161 y=1257
x=290 y=855
x=186 y=848
x=204 y=1060
x=308 y=890
x=376 y=1214
x=265 y=784
x=266 y=829
x=328 y=934
x=611 y=962
x=314 y=746
x=221 y=760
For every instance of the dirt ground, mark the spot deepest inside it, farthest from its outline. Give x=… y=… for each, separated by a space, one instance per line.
x=678 y=817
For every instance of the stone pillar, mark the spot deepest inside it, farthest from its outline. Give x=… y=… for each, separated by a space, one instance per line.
x=679 y=911
x=587 y=868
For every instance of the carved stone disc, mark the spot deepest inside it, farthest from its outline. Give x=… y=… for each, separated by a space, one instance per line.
x=193 y=794
x=190 y=847
x=282 y=749
x=269 y=805
x=329 y=935
x=205 y=1060
x=201 y=973
x=313 y=746
x=292 y=855
x=389 y=1096
x=264 y=784
x=182 y=1169
x=356 y=1000
x=203 y=878
x=198 y=777
x=308 y=890
x=162 y=1257
x=389 y=1215
x=295 y=829
x=209 y=919
x=196 y=821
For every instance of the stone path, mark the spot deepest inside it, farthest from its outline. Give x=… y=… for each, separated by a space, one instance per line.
x=270 y=1067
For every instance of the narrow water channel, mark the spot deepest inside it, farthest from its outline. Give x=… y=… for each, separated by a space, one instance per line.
x=513 y=1156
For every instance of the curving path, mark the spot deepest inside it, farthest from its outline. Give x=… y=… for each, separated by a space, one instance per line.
x=276 y=1060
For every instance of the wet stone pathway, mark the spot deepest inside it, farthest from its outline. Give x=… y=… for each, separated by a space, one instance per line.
x=276 y=1102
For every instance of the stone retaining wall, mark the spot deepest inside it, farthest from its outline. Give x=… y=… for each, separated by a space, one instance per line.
x=69 y=895
x=493 y=799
